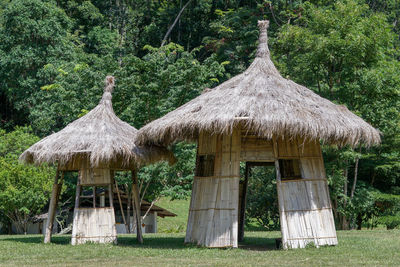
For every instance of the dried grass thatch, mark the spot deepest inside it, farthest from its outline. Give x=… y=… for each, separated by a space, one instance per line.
x=264 y=102
x=99 y=135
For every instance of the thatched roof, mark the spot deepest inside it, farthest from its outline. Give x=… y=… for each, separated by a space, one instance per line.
x=264 y=102
x=100 y=136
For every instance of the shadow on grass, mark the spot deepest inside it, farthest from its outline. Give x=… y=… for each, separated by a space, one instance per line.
x=152 y=242
x=258 y=244
x=37 y=239
x=156 y=242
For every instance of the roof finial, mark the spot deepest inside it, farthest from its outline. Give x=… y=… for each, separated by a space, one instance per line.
x=262 y=50
x=109 y=84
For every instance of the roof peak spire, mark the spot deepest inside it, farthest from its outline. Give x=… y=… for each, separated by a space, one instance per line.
x=262 y=50
x=109 y=84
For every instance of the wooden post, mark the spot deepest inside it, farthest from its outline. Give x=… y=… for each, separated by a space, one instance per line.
x=282 y=215
x=128 y=209
x=110 y=195
x=52 y=207
x=243 y=204
x=78 y=193
x=111 y=190
x=94 y=196
x=136 y=206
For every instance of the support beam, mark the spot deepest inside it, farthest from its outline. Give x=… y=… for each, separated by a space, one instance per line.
x=111 y=189
x=53 y=206
x=128 y=209
x=136 y=206
x=282 y=214
x=74 y=240
x=243 y=204
x=78 y=193
x=94 y=197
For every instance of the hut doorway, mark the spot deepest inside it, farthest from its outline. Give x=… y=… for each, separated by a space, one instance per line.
x=256 y=176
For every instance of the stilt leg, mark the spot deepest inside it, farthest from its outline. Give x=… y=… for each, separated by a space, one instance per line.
x=136 y=206
x=77 y=203
x=243 y=205
x=128 y=210
x=52 y=207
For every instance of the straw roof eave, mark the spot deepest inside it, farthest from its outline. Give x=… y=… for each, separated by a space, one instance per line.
x=260 y=100
x=100 y=136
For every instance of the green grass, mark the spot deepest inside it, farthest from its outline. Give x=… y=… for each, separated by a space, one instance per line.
x=173 y=224
x=368 y=248
x=356 y=248
x=181 y=208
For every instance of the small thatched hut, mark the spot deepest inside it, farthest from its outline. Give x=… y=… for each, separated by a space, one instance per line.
x=95 y=145
x=260 y=117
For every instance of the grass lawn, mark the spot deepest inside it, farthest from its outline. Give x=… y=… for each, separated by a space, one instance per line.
x=372 y=248
x=173 y=224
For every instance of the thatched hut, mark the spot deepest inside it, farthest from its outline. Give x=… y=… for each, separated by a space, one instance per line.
x=260 y=117
x=96 y=145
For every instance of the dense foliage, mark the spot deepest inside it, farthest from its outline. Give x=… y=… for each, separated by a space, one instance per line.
x=54 y=56
x=25 y=190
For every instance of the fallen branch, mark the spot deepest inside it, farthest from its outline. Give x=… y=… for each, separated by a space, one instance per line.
x=173 y=24
x=151 y=205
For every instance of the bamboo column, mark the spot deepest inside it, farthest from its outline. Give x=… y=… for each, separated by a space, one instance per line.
x=128 y=210
x=243 y=204
x=76 y=207
x=136 y=206
x=282 y=214
x=53 y=206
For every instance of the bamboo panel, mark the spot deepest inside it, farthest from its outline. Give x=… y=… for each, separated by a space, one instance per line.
x=213 y=213
x=77 y=162
x=218 y=156
x=81 y=161
x=95 y=176
x=312 y=168
x=207 y=143
x=305 y=208
x=230 y=156
x=308 y=148
x=226 y=144
x=287 y=147
x=315 y=226
x=94 y=225
x=254 y=148
x=215 y=220
x=306 y=195
x=212 y=218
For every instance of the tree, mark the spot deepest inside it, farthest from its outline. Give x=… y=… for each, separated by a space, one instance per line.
x=33 y=33
x=262 y=198
x=166 y=78
x=24 y=190
x=348 y=54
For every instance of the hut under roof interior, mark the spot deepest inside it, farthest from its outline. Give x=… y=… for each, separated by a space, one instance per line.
x=260 y=117
x=95 y=145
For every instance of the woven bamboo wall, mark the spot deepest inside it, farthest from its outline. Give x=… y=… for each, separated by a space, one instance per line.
x=304 y=203
x=94 y=225
x=254 y=148
x=92 y=176
x=81 y=161
x=213 y=214
x=305 y=207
